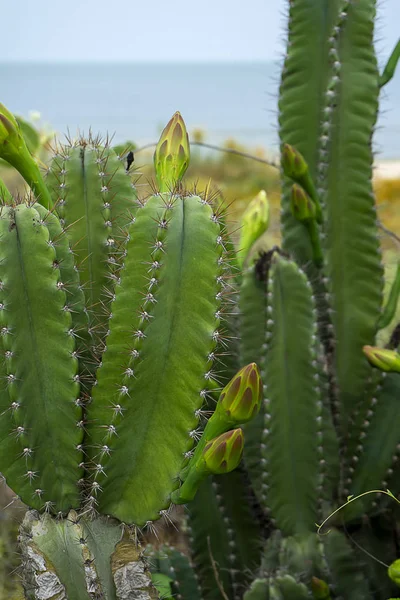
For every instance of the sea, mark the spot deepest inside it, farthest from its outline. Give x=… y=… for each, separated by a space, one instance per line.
x=133 y=101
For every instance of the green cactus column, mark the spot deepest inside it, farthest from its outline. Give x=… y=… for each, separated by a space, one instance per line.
x=175 y=567
x=41 y=418
x=353 y=267
x=302 y=101
x=292 y=452
x=253 y=304
x=224 y=530
x=95 y=200
x=157 y=367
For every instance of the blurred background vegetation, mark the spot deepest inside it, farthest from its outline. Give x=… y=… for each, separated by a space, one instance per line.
x=228 y=174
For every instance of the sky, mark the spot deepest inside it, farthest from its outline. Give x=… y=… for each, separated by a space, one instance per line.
x=155 y=30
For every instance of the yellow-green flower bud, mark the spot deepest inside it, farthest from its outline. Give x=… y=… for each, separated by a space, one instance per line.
x=219 y=455
x=394 y=572
x=14 y=150
x=11 y=140
x=172 y=154
x=240 y=400
x=223 y=454
x=295 y=167
x=6 y=113
x=383 y=359
x=255 y=222
x=320 y=589
x=301 y=205
x=293 y=163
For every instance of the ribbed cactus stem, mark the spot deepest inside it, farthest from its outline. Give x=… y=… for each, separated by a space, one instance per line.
x=176 y=567
x=293 y=411
x=352 y=259
x=42 y=379
x=301 y=102
x=95 y=201
x=160 y=347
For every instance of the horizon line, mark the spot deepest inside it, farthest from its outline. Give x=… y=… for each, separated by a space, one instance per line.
x=135 y=62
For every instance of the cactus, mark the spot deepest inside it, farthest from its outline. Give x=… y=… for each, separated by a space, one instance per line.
x=113 y=327
x=111 y=314
x=95 y=202
x=168 y=561
x=310 y=315
x=330 y=422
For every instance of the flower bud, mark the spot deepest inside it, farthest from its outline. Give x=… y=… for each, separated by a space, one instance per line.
x=10 y=137
x=223 y=454
x=6 y=113
x=13 y=149
x=301 y=205
x=383 y=359
x=172 y=154
x=240 y=400
x=394 y=572
x=254 y=223
x=293 y=163
x=217 y=456
x=320 y=589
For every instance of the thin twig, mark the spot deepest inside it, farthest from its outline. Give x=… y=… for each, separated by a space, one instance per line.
x=215 y=571
x=145 y=147
x=270 y=163
x=392 y=234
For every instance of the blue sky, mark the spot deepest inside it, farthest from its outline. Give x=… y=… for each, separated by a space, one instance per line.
x=154 y=30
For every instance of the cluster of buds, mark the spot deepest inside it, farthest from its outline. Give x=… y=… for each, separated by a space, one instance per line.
x=221 y=445
x=304 y=202
x=296 y=168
